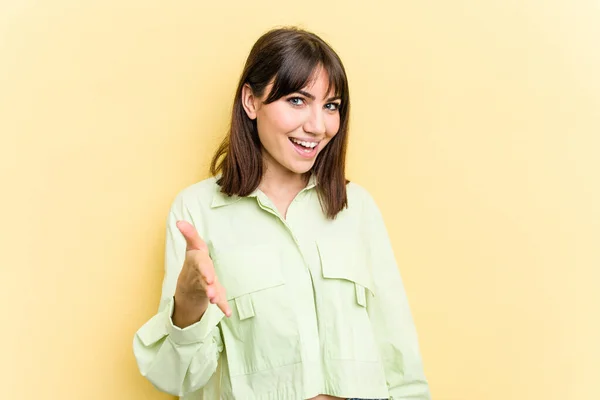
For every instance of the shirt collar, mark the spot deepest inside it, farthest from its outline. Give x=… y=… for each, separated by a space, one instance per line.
x=221 y=199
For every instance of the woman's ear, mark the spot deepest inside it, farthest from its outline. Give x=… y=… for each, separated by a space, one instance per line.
x=249 y=101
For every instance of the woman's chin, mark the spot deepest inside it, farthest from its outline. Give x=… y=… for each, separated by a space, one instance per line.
x=300 y=168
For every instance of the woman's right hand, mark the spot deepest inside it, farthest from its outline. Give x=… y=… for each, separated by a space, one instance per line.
x=197 y=284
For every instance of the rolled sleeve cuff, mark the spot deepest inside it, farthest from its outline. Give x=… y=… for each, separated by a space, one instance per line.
x=197 y=332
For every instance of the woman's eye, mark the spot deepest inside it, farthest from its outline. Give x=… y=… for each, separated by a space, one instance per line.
x=332 y=106
x=296 y=101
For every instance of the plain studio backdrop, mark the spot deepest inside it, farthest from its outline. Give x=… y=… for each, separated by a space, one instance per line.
x=475 y=125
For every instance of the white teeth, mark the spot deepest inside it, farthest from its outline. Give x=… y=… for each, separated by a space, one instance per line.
x=310 y=145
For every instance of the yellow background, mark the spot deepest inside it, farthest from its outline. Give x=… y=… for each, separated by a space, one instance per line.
x=475 y=125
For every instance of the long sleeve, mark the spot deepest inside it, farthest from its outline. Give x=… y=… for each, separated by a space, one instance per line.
x=391 y=316
x=177 y=361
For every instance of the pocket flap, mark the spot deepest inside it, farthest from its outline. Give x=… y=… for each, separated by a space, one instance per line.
x=245 y=307
x=250 y=269
x=361 y=296
x=345 y=261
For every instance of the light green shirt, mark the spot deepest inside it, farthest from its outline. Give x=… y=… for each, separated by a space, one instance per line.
x=318 y=305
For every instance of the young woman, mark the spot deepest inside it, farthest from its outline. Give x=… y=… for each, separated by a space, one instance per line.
x=280 y=281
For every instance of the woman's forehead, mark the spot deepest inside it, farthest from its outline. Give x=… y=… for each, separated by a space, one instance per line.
x=317 y=84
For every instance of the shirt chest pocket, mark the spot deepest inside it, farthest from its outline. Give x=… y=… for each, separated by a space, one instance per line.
x=246 y=272
x=261 y=333
x=348 y=285
x=347 y=261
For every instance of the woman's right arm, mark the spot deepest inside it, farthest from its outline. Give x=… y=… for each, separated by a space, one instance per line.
x=180 y=357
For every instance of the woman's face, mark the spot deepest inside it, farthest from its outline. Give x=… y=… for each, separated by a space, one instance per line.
x=295 y=128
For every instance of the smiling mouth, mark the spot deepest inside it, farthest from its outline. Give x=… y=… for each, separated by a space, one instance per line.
x=305 y=146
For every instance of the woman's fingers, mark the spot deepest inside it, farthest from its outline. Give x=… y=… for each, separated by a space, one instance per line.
x=224 y=306
x=210 y=292
x=208 y=273
x=202 y=264
x=216 y=295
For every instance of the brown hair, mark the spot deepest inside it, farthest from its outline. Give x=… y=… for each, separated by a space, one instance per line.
x=287 y=57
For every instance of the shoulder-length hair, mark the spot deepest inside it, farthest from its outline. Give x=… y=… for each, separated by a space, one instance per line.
x=287 y=57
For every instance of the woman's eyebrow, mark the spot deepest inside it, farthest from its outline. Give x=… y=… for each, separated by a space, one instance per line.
x=312 y=97
x=304 y=93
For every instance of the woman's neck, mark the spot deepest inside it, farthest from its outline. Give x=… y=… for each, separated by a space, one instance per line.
x=282 y=188
x=282 y=184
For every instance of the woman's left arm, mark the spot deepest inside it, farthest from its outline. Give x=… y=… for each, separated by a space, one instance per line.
x=390 y=314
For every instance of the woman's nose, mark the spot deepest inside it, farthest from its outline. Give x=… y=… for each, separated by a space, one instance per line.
x=315 y=123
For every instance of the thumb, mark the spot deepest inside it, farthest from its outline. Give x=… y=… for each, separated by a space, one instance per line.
x=192 y=238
